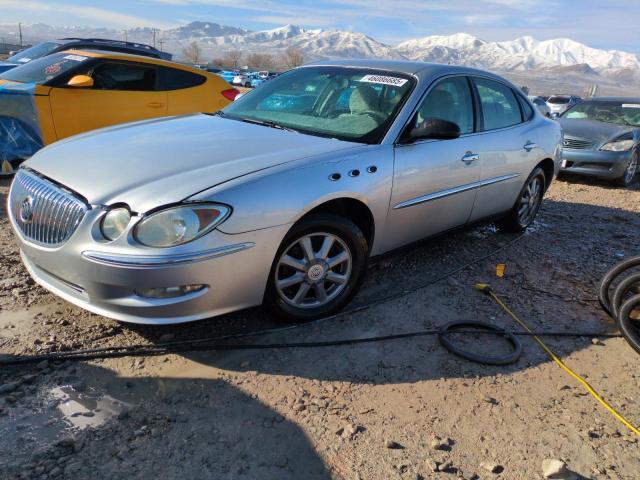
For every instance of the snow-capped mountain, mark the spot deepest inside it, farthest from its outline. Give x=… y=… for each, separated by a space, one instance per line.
x=519 y=55
x=524 y=53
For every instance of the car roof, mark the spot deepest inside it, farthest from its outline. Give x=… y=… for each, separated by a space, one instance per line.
x=142 y=47
x=136 y=58
x=418 y=69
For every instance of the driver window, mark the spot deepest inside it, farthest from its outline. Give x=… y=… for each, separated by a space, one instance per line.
x=124 y=76
x=449 y=100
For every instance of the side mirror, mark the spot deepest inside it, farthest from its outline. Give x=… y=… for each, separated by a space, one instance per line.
x=80 y=81
x=433 y=128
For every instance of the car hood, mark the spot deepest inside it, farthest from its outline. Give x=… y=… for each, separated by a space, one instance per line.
x=158 y=162
x=592 y=129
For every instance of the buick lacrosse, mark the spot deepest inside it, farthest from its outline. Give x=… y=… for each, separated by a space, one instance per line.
x=283 y=196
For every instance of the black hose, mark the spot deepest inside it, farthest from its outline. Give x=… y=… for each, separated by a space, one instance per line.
x=481 y=327
x=193 y=346
x=617 y=302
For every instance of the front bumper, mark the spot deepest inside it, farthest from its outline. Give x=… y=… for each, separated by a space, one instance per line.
x=104 y=278
x=595 y=163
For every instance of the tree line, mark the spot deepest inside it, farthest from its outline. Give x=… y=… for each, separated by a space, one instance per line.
x=291 y=58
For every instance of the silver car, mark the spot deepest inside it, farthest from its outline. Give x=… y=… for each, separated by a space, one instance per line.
x=558 y=104
x=602 y=139
x=283 y=196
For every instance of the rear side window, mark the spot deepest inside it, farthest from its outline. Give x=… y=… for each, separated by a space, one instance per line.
x=527 y=111
x=500 y=107
x=124 y=76
x=174 y=79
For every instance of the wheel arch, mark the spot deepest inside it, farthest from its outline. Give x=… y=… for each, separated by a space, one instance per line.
x=352 y=209
x=548 y=167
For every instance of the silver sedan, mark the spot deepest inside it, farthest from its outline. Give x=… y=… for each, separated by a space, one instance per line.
x=283 y=196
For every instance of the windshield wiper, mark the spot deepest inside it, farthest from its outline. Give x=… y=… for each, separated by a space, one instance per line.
x=265 y=123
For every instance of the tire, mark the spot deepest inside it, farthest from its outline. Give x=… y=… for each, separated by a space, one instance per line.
x=629 y=175
x=302 y=300
x=517 y=220
x=247 y=85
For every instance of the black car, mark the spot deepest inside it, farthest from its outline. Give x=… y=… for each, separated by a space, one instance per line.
x=55 y=46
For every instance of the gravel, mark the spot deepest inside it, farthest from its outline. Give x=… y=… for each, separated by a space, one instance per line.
x=333 y=412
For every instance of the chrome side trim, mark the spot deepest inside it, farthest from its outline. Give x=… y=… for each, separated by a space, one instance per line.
x=153 y=261
x=453 y=191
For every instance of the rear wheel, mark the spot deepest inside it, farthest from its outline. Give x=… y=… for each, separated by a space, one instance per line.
x=527 y=206
x=630 y=172
x=318 y=268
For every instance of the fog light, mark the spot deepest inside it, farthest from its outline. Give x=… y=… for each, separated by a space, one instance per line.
x=169 y=292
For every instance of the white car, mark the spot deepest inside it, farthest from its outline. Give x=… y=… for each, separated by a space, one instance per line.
x=241 y=80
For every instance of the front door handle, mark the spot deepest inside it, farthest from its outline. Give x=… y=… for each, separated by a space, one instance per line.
x=529 y=146
x=155 y=104
x=470 y=157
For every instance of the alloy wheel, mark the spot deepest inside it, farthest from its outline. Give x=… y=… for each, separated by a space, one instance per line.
x=632 y=167
x=313 y=270
x=530 y=201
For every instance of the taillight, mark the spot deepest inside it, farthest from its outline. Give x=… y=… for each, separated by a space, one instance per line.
x=230 y=94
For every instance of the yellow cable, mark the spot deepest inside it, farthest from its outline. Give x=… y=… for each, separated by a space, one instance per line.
x=487 y=289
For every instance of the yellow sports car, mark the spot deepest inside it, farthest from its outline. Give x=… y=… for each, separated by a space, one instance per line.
x=75 y=91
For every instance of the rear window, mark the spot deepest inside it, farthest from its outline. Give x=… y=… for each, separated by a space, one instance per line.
x=174 y=79
x=558 y=100
x=37 y=51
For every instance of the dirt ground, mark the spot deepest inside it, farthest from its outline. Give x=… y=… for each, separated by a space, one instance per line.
x=404 y=409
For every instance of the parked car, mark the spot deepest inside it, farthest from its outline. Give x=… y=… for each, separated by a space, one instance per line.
x=558 y=104
x=541 y=105
x=242 y=80
x=186 y=218
x=227 y=75
x=71 y=92
x=256 y=80
x=602 y=139
x=54 y=46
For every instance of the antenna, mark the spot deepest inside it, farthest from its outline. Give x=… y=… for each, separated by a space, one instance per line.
x=20 y=29
x=161 y=42
x=154 y=38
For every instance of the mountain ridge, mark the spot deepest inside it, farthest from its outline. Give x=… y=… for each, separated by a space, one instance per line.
x=518 y=55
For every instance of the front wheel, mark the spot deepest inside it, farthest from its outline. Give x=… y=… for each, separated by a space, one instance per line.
x=318 y=268
x=527 y=206
x=630 y=172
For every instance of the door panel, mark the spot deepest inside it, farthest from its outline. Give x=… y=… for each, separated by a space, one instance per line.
x=122 y=92
x=505 y=161
x=435 y=181
x=433 y=189
x=81 y=110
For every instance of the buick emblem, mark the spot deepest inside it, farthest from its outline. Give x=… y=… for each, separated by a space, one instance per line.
x=26 y=210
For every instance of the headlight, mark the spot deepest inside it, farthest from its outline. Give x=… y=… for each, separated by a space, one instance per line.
x=618 y=146
x=114 y=222
x=181 y=224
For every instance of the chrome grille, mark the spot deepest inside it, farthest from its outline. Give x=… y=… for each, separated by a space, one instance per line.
x=45 y=213
x=577 y=144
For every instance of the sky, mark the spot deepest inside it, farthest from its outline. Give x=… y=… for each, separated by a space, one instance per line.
x=609 y=24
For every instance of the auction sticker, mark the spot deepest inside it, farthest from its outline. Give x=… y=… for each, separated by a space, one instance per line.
x=384 y=80
x=76 y=58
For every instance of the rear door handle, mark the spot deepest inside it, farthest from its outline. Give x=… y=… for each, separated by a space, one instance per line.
x=529 y=146
x=470 y=157
x=155 y=104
